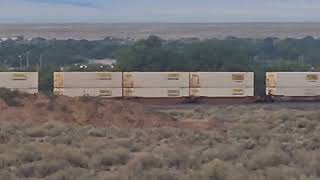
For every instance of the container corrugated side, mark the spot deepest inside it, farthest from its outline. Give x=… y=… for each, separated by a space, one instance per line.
x=88 y=79
x=16 y=80
x=222 y=92
x=294 y=92
x=94 y=92
x=156 y=79
x=156 y=92
x=293 y=79
x=221 y=79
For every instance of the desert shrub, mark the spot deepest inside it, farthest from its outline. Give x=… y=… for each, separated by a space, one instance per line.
x=4 y=137
x=310 y=160
x=97 y=132
x=129 y=144
x=197 y=138
x=9 y=128
x=27 y=154
x=62 y=139
x=55 y=125
x=133 y=146
x=145 y=162
x=179 y=158
x=111 y=157
x=165 y=133
x=25 y=171
x=36 y=132
x=76 y=158
x=7 y=175
x=222 y=151
x=284 y=115
x=215 y=170
x=237 y=171
x=7 y=160
x=47 y=167
x=70 y=173
x=249 y=130
x=267 y=157
x=118 y=133
x=155 y=174
x=282 y=173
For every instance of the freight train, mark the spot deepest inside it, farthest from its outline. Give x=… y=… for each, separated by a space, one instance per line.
x=178 y=87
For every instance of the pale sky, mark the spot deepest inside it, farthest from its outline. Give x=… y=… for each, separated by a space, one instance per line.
x=110 y=11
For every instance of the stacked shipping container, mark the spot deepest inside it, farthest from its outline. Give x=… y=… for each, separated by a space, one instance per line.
x=221 y=84
x=21 y=81
x=156 y=84
x=102 y=84
x=293 y=84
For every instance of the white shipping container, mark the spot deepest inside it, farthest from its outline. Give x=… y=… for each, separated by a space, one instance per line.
x=156 y=79
x=294 y=92
x=293 y=79
x=19 y=80
x=222 y=92
x=221 y=79
x=94 y=92
x=88 y=79
x=156 y=92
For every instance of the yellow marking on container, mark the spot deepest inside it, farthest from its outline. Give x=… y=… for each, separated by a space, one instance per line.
x=105 y=92
x=312 y=77
x=238 y=77
x=104 y=76
x=237 y=92
x=271 y=80
x=173 y=76
x=19 y=76
x=173 y=93
x=195 y=80
x=58 y=80
x=128 y=81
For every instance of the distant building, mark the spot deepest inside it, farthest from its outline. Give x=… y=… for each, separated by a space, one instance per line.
x=3 y=39
x=6 y=39
x=108 y=62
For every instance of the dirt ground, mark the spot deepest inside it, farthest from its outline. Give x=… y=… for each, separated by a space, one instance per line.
x=60 y=138
x=90 y=111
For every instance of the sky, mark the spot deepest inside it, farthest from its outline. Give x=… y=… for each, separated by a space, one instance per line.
x=121 y=11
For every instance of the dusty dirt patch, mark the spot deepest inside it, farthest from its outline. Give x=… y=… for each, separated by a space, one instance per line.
x=99 y=112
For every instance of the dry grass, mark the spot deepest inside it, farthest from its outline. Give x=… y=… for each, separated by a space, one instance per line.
x=251 y=143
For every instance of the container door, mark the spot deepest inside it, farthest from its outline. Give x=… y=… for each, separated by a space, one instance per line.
x=128 y=80
x=271 y=80
x=195 y=81
x=58 y=80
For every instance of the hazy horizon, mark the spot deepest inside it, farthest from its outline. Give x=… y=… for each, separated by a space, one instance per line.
x=154 y=11
x=95 y=31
